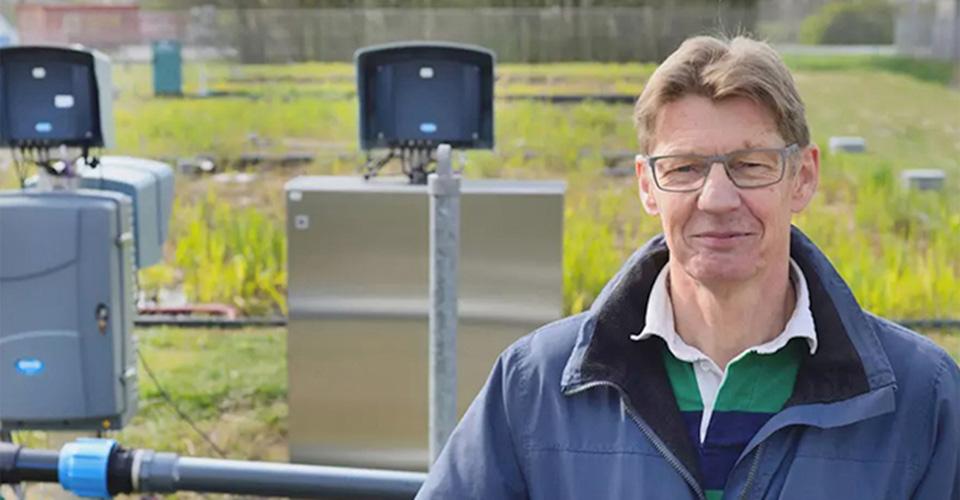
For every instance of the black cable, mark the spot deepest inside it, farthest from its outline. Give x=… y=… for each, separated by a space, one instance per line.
x=94 y=163
x=18 y=168
x=374 y=166
x=405 y=161
x=183 y=416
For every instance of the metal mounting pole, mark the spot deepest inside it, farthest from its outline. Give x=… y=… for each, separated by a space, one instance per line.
x=444 y=188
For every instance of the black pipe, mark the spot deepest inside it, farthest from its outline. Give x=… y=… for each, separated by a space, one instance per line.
x=280 y=321
x=145 y=471
x=18 y=464
x=38 y=465
x=293 y=480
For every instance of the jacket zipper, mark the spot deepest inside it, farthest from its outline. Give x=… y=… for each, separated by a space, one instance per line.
x=657 y=443
x=753 y=471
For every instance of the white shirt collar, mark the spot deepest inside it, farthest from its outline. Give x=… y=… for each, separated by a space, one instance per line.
x=659 y=320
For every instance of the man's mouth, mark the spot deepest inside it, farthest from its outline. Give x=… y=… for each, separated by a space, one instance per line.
x=723 y=234
x=722 y=239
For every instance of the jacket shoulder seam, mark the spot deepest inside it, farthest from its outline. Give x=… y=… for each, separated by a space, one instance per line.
x=522 y=354
x=518 y=434
x=930 y=417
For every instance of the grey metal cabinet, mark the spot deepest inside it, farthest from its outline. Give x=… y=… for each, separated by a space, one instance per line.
x=358 y=297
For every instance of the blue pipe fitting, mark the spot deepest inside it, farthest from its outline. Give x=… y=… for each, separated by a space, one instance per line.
x=82 y=467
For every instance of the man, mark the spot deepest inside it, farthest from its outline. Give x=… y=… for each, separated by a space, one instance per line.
x=727 y=359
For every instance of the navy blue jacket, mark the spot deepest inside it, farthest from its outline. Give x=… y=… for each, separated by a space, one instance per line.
x=577 y=410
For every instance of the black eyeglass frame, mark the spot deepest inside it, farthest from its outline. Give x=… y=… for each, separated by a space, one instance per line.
x=724 y=159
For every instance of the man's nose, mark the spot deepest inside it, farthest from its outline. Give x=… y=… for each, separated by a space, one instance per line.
x=718 y=194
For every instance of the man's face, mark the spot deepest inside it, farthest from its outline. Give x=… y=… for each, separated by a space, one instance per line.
x=721 y=234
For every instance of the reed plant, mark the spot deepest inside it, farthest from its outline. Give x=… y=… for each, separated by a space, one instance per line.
x=229 y=256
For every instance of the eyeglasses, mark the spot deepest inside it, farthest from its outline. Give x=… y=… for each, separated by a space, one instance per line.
x=746 y=168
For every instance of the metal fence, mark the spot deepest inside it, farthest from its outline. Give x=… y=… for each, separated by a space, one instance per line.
x=929 y=28
x=528 y=35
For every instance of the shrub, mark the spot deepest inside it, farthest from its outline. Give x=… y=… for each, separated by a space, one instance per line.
x=850 y=23
x=231 y=256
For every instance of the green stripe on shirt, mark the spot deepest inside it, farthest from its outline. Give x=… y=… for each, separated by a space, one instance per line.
x=684 y=383
x=761 y=382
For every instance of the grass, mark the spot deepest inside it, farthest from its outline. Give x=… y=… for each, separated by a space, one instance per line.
x=222 y=127
x=932 y=71
x=210 y=374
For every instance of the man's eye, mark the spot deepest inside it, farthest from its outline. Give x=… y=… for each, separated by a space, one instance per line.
x=751 y=165
x=683 y=168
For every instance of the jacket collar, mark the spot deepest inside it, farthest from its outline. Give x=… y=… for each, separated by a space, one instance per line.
x=659 y=320
x=849 y=361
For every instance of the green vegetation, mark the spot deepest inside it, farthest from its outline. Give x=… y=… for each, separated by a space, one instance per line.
x=861 y=22
x=928 y=70
x=897 y=249
x=239 y=255
x=210 y=374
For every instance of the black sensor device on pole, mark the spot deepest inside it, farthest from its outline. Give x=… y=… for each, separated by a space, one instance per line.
x=54 y=96
x=415 y=96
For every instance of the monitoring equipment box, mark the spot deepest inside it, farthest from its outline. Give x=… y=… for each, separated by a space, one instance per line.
x=53 y=96
x=424 y=94
x=67 y=359
x=358 y=260
x=149 y=184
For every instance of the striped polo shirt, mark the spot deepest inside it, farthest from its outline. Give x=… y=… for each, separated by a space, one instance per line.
x=722 y=410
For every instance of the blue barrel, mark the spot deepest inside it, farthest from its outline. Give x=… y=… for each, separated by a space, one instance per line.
x=167 y=68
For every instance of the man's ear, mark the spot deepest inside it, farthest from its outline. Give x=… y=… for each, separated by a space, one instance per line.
x=647 y=187
x=806 y=179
